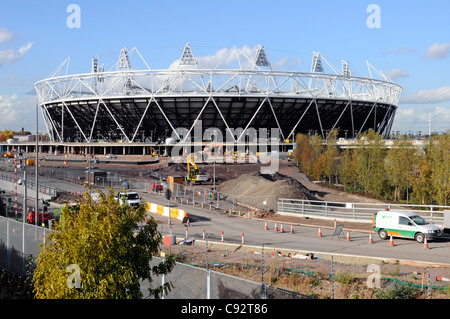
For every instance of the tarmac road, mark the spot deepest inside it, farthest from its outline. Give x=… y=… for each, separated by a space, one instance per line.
x=304 y=239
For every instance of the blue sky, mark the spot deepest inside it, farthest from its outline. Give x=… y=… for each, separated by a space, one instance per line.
x=412 y=44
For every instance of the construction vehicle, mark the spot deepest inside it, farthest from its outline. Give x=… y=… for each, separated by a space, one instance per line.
x=193 y=175
x=10 y=154
x=153 y=152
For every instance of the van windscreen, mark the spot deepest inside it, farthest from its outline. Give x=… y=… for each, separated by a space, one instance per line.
x=418 y=220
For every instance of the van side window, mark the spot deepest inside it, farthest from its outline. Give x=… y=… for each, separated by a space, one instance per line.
x=404 y=221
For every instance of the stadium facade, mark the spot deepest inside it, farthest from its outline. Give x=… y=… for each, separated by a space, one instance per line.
x=145 y=105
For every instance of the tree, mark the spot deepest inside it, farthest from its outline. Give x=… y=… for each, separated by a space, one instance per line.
x=318 y=168
x=347 y=168
x=439 y=158
x=331 y=155
x=112 y=246
x=369 y=156
x=302 y=152
x=421 y=185
x=401 y=164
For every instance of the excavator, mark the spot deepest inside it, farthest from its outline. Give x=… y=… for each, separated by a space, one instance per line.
x=10 y=154
x=153 y=152
x=193 y=175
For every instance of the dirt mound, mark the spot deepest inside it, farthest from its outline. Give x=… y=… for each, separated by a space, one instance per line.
x=270 y=185
x=263 y=214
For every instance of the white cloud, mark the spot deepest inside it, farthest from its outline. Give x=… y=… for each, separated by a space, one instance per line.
x=16 y=112
x=396 y=74
x=437 y=51
x=438 y=95
x=400 y=50
x=223 y=58
x=5 y=35
x=287 y=63
x=9 y=56
x=416 y=119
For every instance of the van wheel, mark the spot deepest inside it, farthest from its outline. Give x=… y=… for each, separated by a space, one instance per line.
x=383 y=233
x=419 y=237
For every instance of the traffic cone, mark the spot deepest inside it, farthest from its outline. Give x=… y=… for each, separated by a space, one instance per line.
x=319 y=233
x=391 y=242
x=370 y=238
x=203 y=234
x=282 y=229
x=222 y=236
x=348 y=235
x=188 y=223
x=440 y=278
x=242 y=239
x=425 y=243
x=187 y=233
x=292 y=229
x=276 y=226
x=265 y=226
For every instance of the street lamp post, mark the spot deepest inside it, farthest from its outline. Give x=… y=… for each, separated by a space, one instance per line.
x=37 y=165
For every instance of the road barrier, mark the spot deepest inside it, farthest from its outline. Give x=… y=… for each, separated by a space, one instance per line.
x=359 y=212
x=176 y=213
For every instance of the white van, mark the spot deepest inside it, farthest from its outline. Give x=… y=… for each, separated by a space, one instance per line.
x=406 y=224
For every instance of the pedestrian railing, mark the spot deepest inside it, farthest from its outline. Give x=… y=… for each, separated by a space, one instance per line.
x=361 y=212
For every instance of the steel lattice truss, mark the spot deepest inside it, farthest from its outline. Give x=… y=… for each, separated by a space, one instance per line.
x=141 y=105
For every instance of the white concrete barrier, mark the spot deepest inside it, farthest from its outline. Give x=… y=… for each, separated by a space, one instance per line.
x=176 y=213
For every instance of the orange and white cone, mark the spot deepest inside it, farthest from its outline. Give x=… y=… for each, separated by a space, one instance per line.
x=276 y=226
x=188 y=223
x=348 y=235
x=265 y=226
x=391 y=242
x=282 y=229
x=222 y=236
x=440 y=278
x=187 y=233
x=242 y=238
x=292 y=229
x=320 y=232
x=370 y=238
x=425 y=243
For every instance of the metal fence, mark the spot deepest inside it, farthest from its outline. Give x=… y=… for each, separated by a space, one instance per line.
x=19 y=240
x=361 y=212
x=30 y=184
x=190 y=195
x=192 y=282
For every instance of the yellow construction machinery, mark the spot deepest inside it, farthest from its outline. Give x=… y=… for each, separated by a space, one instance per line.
x=193 y=175
x=10 y=154
x=153 y=152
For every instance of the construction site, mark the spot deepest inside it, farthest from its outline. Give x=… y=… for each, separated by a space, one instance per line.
x=221 y=151
x=308 y=276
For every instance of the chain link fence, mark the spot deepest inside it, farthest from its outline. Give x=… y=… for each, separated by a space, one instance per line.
x=192 y=282
x=20 y=240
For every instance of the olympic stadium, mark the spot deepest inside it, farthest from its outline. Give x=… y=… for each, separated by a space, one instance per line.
x=129 y=105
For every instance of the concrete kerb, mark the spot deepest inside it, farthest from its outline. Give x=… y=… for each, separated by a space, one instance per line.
x=337 y=257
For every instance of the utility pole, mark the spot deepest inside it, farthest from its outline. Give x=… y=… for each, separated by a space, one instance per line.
x=37 y=165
